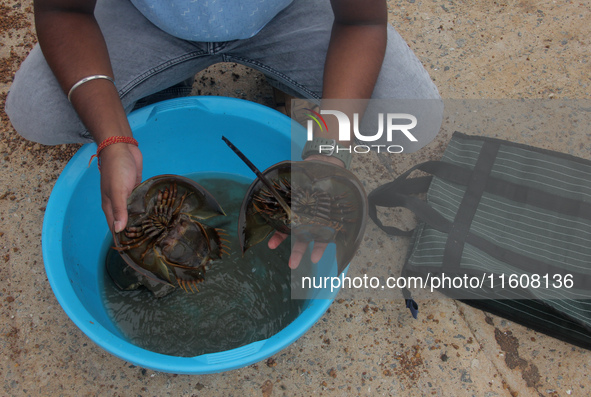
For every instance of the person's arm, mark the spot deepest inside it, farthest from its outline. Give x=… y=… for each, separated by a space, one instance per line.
x=74 y=48
x=353 y=61
x=356 y=50
x=354 y=58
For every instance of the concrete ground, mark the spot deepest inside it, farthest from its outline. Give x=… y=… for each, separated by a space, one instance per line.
x=509 y=50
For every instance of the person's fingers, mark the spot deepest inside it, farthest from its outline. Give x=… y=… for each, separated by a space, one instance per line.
x=120 y=173
x=298 y=250
x=297 y=253
x=108 y=210
x=119 y=204
x=318 y=251
x=115 y=209
x=276 y=239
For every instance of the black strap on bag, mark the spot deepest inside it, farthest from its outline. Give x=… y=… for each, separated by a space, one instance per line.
x=534 y=313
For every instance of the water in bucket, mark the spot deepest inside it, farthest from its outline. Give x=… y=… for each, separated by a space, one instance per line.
x=242 y=300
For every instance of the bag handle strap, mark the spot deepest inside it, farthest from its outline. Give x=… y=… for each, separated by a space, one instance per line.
x=399 y=193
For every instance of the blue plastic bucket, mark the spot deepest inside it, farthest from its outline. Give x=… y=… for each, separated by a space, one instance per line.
x=181 y=136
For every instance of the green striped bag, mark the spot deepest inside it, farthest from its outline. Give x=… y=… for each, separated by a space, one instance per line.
x=506 y=228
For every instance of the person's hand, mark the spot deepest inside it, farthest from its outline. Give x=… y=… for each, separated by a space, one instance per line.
x=299 y=247
x=121 y=171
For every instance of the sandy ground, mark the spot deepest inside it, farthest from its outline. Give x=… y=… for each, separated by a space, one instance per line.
x=362 y=346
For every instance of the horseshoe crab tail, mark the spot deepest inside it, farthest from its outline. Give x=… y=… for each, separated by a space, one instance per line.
x=260 y=175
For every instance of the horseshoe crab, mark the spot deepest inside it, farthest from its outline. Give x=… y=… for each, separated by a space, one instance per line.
x=312 y=200
x=165 y=241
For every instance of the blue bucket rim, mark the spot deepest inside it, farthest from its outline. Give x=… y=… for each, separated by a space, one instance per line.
x=53 y=226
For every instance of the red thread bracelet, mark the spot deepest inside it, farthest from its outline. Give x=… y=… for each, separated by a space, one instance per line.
x=110 y=141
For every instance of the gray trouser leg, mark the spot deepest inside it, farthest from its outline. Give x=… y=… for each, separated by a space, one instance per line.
x=145 y=60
